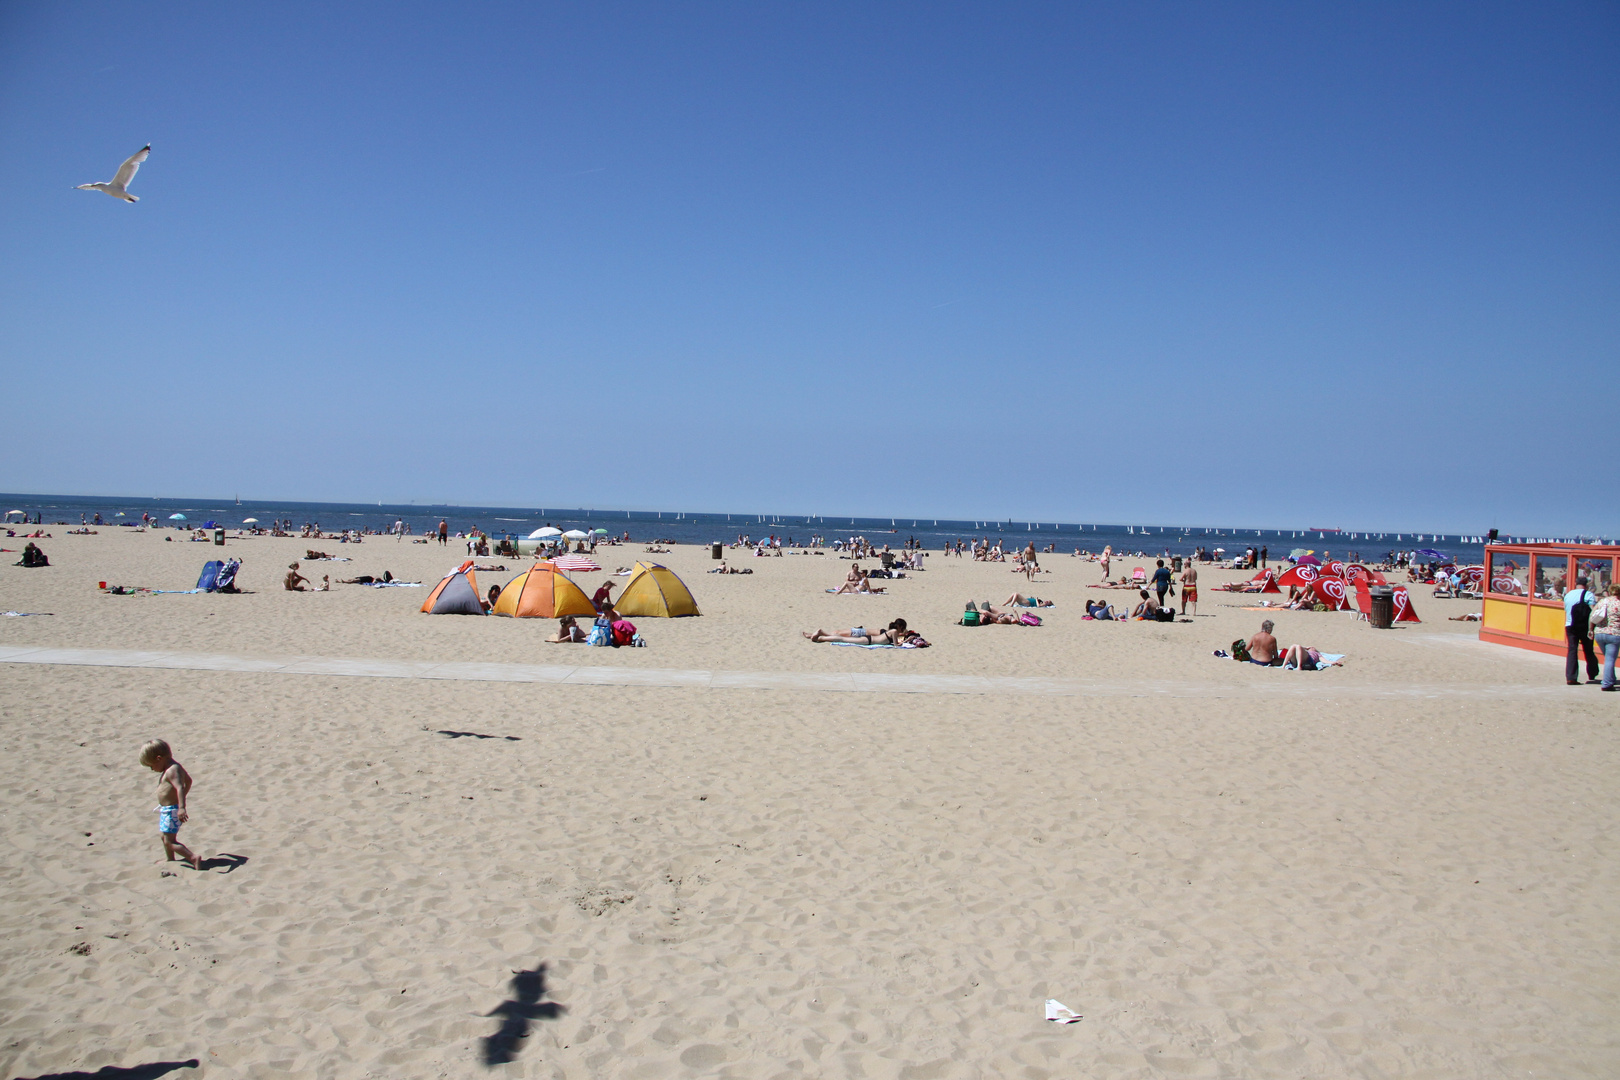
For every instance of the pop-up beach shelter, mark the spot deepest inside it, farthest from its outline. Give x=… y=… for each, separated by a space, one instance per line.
x=655 y=592
x=457 y=594
x=543 y=593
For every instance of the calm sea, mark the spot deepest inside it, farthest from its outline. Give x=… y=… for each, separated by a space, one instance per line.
x=702 y=528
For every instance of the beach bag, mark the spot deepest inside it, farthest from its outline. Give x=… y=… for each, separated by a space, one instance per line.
x=1166 y=615
x=601 y=633
x=624 y=632
x=1580 y=615
x=1028 y=619
x=1240 y=650
x=970 y=618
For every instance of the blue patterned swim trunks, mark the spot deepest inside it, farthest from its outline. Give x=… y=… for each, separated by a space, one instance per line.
x=168 y=819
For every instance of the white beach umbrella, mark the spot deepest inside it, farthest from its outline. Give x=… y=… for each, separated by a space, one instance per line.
x=177 y=517
x=23 y=513
x=541 y=534
x=575 y=534
x=250 y=521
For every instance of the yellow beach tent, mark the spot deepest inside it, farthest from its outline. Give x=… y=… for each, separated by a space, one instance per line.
x=655 y=592
x=543 y=593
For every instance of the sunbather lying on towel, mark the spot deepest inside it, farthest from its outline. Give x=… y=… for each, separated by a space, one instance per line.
x=1304 y=658
x=895 y=634
x=1018 y=599
x=366 y=579
x=1096 y=609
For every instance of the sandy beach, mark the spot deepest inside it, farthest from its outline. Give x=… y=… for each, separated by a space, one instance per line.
x=735 y=853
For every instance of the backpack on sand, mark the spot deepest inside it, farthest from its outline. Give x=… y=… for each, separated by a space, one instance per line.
x=1240 y=650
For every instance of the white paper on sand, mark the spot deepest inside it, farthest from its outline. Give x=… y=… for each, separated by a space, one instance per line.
x=1059 y=1013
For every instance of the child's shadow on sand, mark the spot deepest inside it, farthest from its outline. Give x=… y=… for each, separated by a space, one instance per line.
x=224 y=862
x=528 y=987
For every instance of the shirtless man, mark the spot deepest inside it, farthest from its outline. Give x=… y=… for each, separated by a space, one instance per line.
x=1189 y=587
x=1263 y=647
x=1031 y=566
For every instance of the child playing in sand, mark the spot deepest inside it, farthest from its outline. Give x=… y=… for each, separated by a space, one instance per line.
x=173 y=785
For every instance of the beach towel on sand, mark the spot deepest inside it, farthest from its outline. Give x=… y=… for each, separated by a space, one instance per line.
x=858 y=645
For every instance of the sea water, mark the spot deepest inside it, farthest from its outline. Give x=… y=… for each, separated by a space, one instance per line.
x=691 y=527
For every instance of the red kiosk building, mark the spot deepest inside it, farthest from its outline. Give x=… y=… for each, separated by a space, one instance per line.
x=1525 y=586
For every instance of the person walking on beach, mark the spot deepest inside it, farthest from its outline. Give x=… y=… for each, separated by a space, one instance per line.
x=1605 y=628
x=1262 y=556
x=1578 y=604
x=1189 y=588
x=444 y=533
x=1161 y=581
x=174 y=784
x=1108 y=553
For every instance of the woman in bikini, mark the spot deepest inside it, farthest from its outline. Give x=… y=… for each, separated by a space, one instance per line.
x=896 y=634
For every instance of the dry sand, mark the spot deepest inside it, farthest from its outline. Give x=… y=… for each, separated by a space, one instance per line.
x=1404 y=867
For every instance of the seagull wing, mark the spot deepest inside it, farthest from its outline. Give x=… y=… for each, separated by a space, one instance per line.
x=126 y=171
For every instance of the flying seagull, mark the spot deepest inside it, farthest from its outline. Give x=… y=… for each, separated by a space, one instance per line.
x=126 y=173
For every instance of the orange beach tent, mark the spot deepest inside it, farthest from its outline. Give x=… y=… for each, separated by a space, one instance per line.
x=457 y=594
x=654 y=592
x=543 y=593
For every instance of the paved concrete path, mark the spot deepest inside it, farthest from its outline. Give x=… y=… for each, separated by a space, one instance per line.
x=1279 y=683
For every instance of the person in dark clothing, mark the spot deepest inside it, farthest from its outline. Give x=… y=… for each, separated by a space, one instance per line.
x=1578 y=603
x=1161 y=581
x=33 y=557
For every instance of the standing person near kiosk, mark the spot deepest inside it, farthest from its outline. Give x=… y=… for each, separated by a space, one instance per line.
x=1578 y=603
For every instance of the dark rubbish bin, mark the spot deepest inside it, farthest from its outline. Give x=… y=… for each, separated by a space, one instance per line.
x=714 y=551
x=1382 y=616
x=219 y=537
x=1175 y=564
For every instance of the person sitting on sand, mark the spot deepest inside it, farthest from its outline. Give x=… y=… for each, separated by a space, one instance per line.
x=1018 y=599
x=895 y=634
x=604 y=595
x=32 y=557
x=568 y=632
x=1148 y=609
x=1263 y=647
x=862 y=584
x=294 y=581
x=494 y=595
x=325 y=585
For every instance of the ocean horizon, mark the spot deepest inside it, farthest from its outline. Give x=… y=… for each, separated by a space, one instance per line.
x=700 y=527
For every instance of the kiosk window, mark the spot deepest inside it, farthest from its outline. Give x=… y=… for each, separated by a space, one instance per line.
x=1508 y=572
x=1552 y=576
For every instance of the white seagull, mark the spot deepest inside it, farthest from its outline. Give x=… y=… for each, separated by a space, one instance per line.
x=126 y=173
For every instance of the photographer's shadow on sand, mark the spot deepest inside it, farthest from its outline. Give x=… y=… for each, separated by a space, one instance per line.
x=150 y=1071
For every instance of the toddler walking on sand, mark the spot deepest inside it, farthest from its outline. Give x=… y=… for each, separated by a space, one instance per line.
x=173 y=785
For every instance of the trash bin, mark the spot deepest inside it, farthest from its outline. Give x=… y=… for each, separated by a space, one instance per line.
x=714 y=551
x=219 y=537
x=1382 y=616
x=1175 y=564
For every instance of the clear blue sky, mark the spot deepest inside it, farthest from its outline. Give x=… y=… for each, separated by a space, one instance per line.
x=1286 y=265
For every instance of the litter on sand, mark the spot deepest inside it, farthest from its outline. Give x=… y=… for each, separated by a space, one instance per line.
x=25 y=614
x=1059 y=1013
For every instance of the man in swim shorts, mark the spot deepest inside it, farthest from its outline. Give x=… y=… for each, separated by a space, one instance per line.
x=1189 y=588
x=1263 y=647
